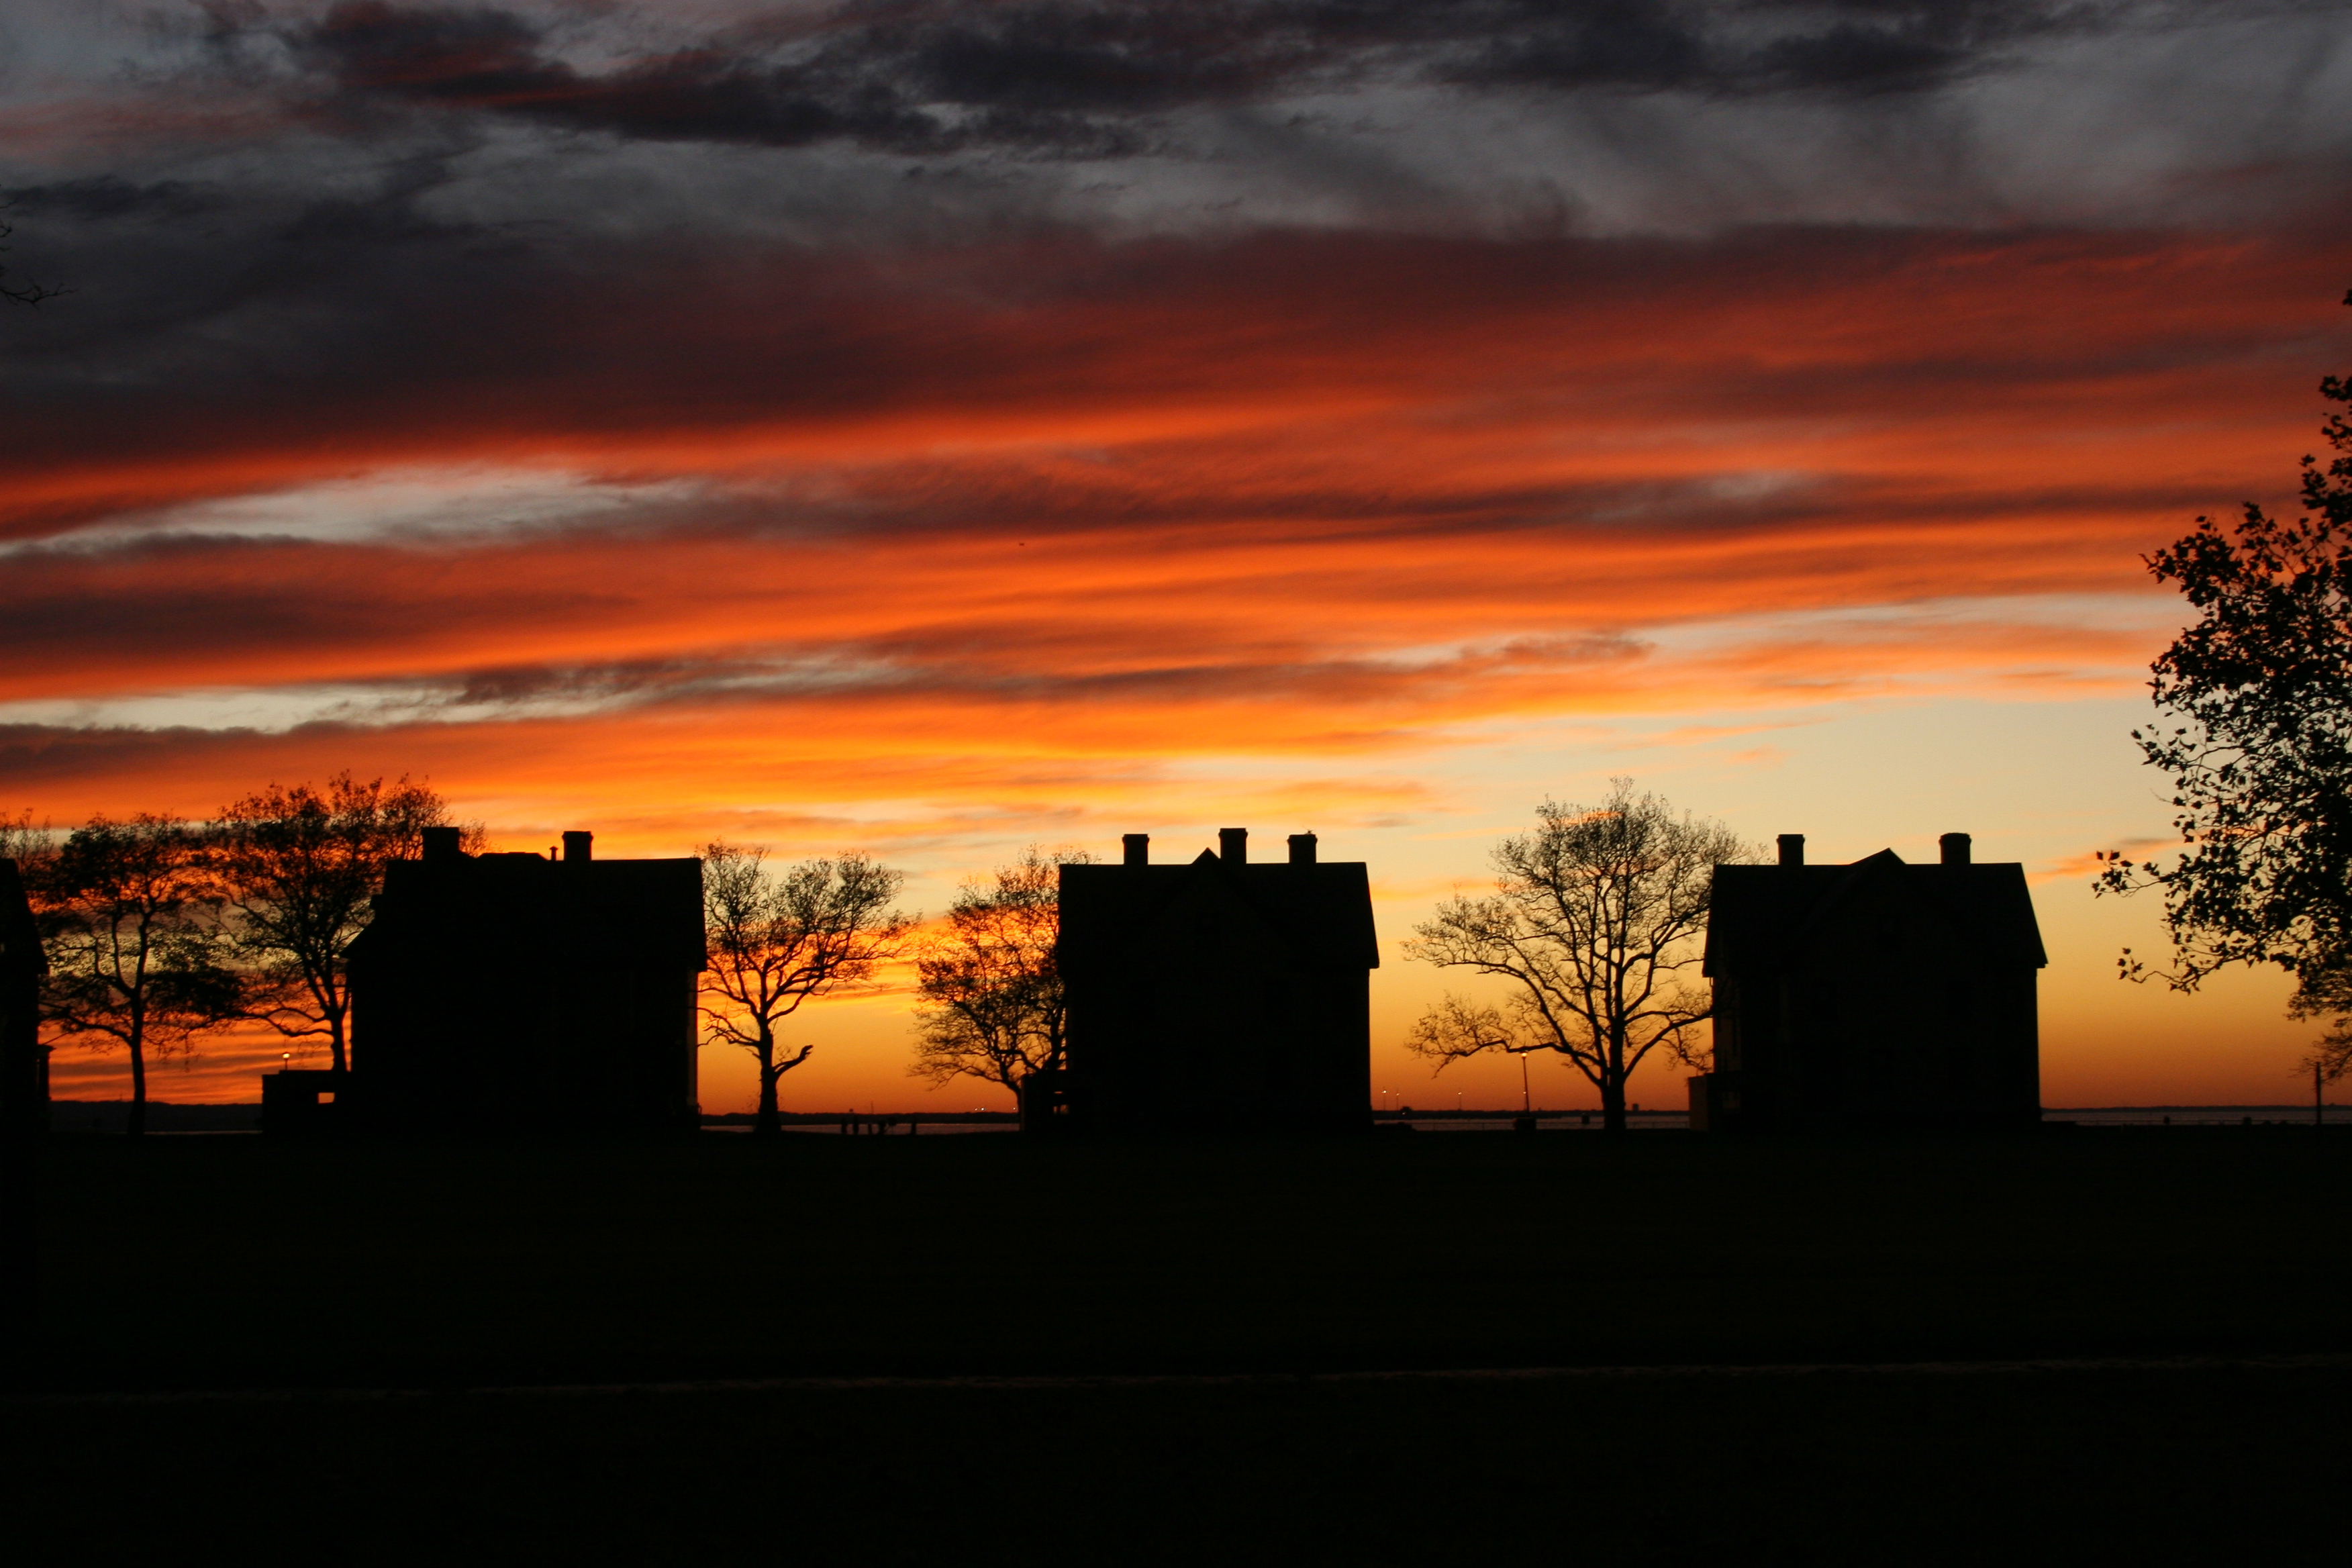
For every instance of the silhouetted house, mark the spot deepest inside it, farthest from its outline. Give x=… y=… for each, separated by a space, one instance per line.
x=512 y=991
x=24 y=1064
x=305 y=1099
x=1873 y=994
x=1217 y=995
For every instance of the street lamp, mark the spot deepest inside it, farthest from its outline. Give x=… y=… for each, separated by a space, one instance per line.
x=1526 y=1121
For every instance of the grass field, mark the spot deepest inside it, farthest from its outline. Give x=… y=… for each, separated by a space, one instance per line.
x=468 y=1280
x=240 y=1261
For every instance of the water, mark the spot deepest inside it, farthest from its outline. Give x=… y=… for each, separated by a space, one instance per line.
x=2196 y=1115
x=2096 y=1116
x=832 y=1129
x=68 y=1116
x=1548 y=1122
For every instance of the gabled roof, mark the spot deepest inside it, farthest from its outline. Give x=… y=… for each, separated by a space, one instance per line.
x=1761 y=915
x=1322 y=913
x=20 y=939
x=607 y=911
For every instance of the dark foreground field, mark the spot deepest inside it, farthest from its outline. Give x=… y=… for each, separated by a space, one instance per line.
x=1158 y=1354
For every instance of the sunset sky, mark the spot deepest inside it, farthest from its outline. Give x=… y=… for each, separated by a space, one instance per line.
x=941 y=427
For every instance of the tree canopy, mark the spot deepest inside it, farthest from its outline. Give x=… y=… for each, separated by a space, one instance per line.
x=2256 y=696
x=992 y=1007
x=136 y=947
x=297 y=867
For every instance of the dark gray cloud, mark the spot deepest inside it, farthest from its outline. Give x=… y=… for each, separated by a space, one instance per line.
x=494 y=61
x=210 y=350
x=1073 y=77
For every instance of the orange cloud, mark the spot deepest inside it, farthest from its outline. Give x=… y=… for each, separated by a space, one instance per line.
x=1035 y=541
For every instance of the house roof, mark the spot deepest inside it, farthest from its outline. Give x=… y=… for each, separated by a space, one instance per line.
x=521 y=905
x=20 y=939
x=1764 y=914
x=1322 y=912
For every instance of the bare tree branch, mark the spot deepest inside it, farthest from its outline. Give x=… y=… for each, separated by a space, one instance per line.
x=135 y=944
x=24 y=291
x=298 y=868
x=1594 y=928
x=993 y=1006
x=779 y=939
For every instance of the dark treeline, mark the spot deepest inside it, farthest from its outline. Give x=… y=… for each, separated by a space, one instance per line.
x=157 y=931
x=988 y=985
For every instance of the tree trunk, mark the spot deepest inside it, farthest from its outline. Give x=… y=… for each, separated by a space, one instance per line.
x=767 y=1124
x=1613 y=1104
x=1612 y=1080
x=137 y=1122
x=335 y=1041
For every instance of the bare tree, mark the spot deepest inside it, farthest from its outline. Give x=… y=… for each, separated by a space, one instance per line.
x=298 y=866
x=780 y=939
x=993 y=1006
x=1595 y=924
x=135 y=942
x=26 y=291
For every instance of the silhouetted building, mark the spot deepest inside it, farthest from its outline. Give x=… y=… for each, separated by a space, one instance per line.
x=508 y=990
x=305 y=1099
x=1878 y=993
x=24 y=1063
x=1217 y=995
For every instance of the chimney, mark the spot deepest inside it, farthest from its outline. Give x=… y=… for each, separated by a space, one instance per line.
x=1233 y=845
x=1302 y=849
x=575 y=845
x=1956 y=849
x=1792 y=849
x=441 y=843
x=1135 y=849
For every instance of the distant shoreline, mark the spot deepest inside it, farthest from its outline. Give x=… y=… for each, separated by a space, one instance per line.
x=1378 y=1115
x=85 y=1116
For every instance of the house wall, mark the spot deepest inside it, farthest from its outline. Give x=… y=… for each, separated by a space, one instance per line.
x=1209 y=1036
x=1922 y=1040
x=439 y=1040
x=25 y=1088
x=24 y=1063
